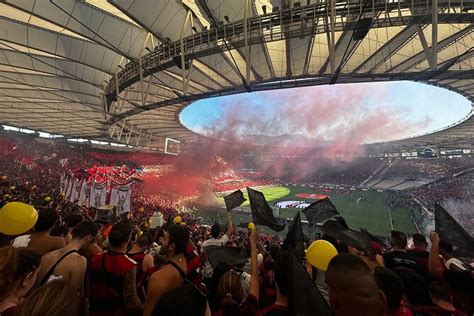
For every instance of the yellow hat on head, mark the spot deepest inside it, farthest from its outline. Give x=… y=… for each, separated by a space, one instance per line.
x=4 y=177
x=12 y=187
x=47 y=199
x=177 y=219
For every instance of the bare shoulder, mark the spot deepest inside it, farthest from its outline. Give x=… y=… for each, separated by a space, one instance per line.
x=76 y=258
x=165 y=275
x=55 y=241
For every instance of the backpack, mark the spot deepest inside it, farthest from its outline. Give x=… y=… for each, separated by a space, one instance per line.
x=185 y=300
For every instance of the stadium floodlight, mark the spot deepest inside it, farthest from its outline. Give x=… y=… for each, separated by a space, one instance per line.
x=172 y=146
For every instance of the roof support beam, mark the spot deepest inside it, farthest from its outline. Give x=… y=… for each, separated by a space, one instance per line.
x=388 y=49
x=188 y=24
x=434 y=35
x=450 y=40
x=247 y=9
x=428 y=52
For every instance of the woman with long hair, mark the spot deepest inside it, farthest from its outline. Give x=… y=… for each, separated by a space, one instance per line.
x=18 y=270
x=55 y=298
x=230 y=290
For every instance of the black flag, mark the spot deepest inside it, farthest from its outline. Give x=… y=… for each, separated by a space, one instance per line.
x=230 y=255
x=304 y=297
x=262 y=213
x=234 y=200
x=295 y=237
x=353 y=238
x=320 y=211
x=451 y=231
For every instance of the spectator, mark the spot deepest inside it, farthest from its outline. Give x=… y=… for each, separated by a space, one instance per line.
x=72 y=220
x=392 y=287
x=61 y=231
x=419 y=250
x=40 y=239
x=352 y=287
x=18 y=271
x=56 y=298
x=280 y=270
x=113 y=277
x=66 y=263
x=443 y=300
x=420 y=255
x=138 y=253
x=230 y=288
x=454 y=273
x=398 y=257
x=216 y=240
x=169 y=276
x=416 y=288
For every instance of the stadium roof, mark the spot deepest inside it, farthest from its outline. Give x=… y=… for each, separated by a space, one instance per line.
x=114 y=69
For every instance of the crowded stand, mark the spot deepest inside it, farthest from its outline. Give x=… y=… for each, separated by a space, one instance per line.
x=453 y=188
x=137 y=264
x=134 y=270
x=427 y=168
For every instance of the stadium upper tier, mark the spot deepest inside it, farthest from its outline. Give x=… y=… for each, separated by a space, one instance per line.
x=124 y=70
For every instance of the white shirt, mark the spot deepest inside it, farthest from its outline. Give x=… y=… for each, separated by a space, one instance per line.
x=21 y=241
x=215 y=242
x=207 y=270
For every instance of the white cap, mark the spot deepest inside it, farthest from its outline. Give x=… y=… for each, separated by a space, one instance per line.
x=457 y=263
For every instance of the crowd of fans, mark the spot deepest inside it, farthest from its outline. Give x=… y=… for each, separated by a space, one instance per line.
x=75 y=262
x=427 y=168
x=132 y=269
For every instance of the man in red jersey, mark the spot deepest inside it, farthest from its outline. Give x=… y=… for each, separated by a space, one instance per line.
x=113 y=277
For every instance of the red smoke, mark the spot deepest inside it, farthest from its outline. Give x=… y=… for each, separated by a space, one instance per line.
x=305 y=129
x=350 y=114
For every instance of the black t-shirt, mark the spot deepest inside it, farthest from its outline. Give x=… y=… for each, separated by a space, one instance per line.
x=421 y=258
x=397 y=258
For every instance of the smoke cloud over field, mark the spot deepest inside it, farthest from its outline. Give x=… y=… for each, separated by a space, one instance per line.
x=344 y=115
x=297 y=131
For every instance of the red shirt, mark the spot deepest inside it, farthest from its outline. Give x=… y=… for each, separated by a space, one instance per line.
x=193 y=263
x=107 y=276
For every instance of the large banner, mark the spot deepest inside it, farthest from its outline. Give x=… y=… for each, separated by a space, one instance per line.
x=85 y=194
x=121 y=196
x=98 y=195
x=75 y=189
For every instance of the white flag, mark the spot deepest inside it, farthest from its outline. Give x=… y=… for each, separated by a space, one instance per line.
x=63 y=183
x=121 y=196
x=84 y=196
x=63 y=162
x=76 y=190
x=98 y=195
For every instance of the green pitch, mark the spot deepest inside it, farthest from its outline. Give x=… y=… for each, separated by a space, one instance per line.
x=364 y=209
